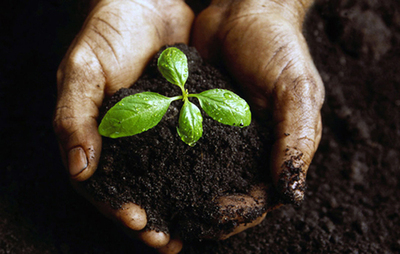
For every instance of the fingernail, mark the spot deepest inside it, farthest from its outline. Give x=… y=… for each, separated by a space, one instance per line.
x=77 y=161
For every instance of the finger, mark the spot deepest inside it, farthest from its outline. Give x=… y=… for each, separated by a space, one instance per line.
x=244 y=226
x=128 y=215
x=297 y=141
x=297 y=95
x=238 y=212
x=239 y=207
x=174 y=246
x=80 y=94
x=152 y=238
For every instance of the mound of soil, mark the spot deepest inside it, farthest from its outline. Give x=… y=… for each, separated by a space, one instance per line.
x=176 y=184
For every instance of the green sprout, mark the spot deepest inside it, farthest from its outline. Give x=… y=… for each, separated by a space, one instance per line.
x=140 y=112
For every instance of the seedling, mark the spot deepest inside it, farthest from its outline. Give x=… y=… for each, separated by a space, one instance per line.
x=140 y=112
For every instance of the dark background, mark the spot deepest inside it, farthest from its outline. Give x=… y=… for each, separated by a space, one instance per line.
x=39 y=211
x=352 y=203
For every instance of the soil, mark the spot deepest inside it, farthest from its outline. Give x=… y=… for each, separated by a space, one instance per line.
x=176 y=184
x=352 y=201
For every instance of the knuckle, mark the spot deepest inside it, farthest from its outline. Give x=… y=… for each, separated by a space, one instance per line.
x=304 y=91
x=82 y=64
x=78 y=62
x=62 y=125
x=305 y=86
x=64 y=122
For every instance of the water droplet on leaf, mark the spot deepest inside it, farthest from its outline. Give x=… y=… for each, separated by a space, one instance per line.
x=227 y=95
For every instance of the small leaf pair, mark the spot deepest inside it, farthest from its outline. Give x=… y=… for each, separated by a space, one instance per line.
x=140 y=112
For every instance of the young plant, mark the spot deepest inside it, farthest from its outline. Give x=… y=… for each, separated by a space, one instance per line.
x=142 y=111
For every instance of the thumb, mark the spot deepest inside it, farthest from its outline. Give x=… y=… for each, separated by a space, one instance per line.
x=297 y=97
x=292 y=152
x=80 y=93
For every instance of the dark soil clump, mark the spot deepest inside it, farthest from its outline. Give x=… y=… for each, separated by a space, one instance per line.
x=177 y=184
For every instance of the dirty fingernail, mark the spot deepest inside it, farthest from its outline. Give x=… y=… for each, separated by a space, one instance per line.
x=77 y=161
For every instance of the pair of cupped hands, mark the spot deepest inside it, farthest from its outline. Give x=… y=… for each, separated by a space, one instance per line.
x=261 y=45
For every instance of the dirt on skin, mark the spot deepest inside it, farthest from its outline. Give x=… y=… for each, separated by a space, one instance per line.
x=352 y=200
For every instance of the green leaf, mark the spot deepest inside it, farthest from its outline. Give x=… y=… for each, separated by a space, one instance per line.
x=134 y=114
x=173 y=65
x=190 y=123
x=225 y=107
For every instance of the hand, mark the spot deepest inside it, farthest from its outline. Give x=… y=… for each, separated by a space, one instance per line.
x=111 y=51
x=261 y=45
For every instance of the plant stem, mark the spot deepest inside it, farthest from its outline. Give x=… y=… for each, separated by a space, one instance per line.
x=185 y=94
x=175 y=98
